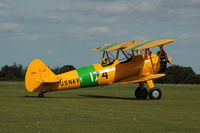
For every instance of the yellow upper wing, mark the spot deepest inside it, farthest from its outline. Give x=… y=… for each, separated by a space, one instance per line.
x=123 y=45
x=148 y=44
x=115 y=46
x=134 y=45
x=106 y=46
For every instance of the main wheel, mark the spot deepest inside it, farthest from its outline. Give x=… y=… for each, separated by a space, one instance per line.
x=141 y=93
x=155 y=93
x=41 y=94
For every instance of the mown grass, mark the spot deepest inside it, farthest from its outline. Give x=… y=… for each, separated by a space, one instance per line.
x=108 y=109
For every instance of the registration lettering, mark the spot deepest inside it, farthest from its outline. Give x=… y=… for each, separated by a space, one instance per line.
x=69 y=82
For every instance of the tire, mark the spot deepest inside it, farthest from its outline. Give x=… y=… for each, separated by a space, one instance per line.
x=141 y=93
x=155 y=93
x=41 y=95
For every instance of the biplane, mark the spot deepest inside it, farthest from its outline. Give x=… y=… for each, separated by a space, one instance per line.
x=122 y=62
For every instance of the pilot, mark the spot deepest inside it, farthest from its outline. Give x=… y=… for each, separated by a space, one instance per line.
x=104 y=61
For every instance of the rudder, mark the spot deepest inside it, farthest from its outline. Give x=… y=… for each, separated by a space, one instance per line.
x=38 y=73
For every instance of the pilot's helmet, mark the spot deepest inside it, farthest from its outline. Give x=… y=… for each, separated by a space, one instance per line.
x=104 y=60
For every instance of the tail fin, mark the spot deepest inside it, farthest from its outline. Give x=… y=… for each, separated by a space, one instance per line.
x=38 y=73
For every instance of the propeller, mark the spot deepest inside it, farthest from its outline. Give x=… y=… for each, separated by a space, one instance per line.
x=164 y=59
x=163 y=55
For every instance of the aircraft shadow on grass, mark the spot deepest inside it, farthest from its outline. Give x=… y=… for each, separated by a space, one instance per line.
x=27 y=96
x=46 y=97
x=88 y=96
x=110 y=97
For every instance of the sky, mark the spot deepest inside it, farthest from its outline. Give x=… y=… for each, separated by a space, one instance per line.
x=63 y=32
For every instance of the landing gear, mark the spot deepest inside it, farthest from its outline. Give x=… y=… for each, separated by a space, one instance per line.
x=141 y=93
x=155 y=93
x=41 y=94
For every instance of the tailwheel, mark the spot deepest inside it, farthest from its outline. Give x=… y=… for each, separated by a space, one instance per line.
x=155 y=93
x=41 y=94
x=141 y=93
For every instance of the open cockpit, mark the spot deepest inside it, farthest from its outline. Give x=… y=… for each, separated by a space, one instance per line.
x=110 y=56
x=125 y=51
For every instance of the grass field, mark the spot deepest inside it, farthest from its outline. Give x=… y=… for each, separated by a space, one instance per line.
x=108 y=109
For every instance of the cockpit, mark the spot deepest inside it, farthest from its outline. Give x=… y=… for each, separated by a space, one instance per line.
x=114 y=51
x=109 y=57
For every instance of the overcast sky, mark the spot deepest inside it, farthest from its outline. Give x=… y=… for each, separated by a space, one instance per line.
x=61 y=32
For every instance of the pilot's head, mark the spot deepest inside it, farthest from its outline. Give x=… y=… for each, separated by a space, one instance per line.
x=104 y=61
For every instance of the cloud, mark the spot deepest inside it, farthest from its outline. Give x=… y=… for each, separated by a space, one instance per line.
x=4 y=10
x=141 y=38
x=113 y=8
x=100 y=29
x=121 y=33
x=184 y=9
x=116 y=11
x=183 y=13
x=112 y=20
x=3 y=6
x=9 y=26
x=34 y=37
x=56 y=17
x=122 y=7
x=196 y=1
x=99 y=20
x=145 y=6
x=25 y=36
x=181 y=36
x=184 y=4
x=92 y=30
x=189 y=36
x=63 y=8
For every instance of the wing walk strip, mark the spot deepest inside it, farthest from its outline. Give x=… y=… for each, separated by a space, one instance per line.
x=110 y=46
x=155 y=43
x=118 y=46
x=141 y=44
x=123 y=45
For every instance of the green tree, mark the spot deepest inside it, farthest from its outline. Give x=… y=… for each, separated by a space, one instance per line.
x=179 y=75
x=13 y=72
x=63 y=69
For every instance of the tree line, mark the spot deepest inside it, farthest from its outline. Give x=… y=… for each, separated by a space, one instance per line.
x=176 y=74
x=17 y=72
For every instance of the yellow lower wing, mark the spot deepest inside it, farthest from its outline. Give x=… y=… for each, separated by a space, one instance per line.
x=137 y=78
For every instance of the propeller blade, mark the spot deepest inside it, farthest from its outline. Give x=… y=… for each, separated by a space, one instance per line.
x=169 y=59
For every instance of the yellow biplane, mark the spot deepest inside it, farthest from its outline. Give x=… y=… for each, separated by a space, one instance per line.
x=122 y=62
